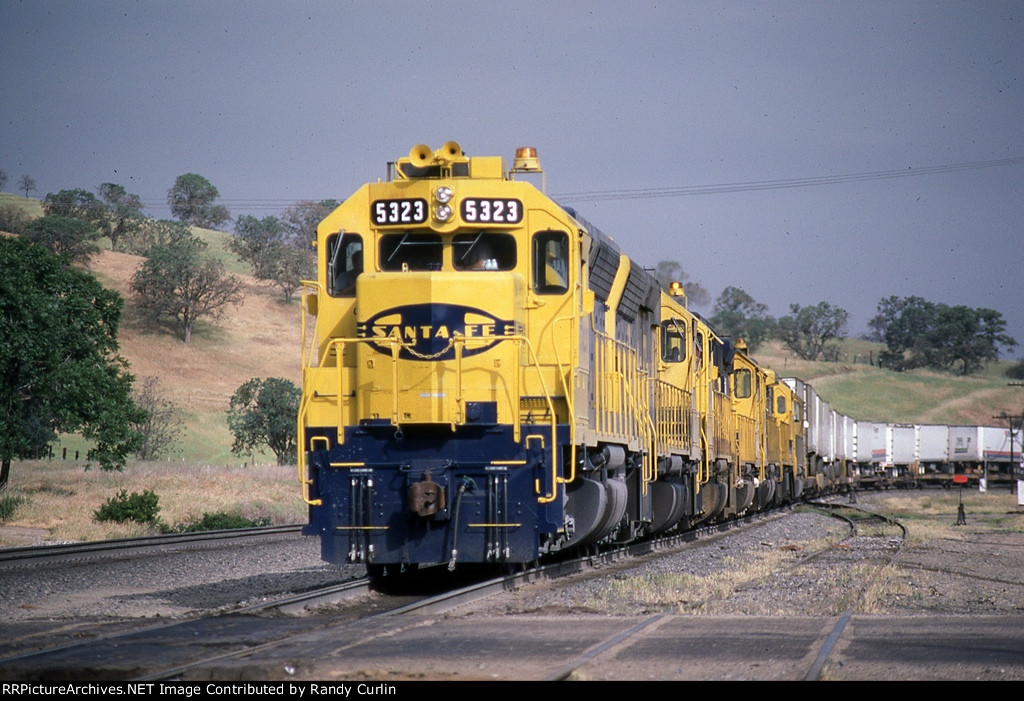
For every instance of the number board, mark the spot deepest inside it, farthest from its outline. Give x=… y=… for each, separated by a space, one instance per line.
x=388 y=212
x=489 y=210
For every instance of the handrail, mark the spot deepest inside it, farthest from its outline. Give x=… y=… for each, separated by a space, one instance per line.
x=647 y=470
x=308 y=286
x=569 y=398
x=458 y=342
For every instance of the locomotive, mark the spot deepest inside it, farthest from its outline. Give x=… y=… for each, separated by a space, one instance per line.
x=488 y=377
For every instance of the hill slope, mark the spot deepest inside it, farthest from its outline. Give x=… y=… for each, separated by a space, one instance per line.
x=258 y=338
x=863 y=391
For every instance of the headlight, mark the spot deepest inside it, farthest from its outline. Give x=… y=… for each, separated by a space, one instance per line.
x=443 y=212
x=443 y=194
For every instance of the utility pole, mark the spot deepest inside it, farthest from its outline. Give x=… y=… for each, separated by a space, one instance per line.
x=1016 y=473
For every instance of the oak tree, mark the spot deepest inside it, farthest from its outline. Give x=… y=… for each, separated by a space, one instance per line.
x=738 y=315
x=178 y=281
x=263 y=413
x=72 y=239
x=807 y=330
x=275 y=254
x=919 y=333
x=60 y=366
x=122 y=213
x=192 y=200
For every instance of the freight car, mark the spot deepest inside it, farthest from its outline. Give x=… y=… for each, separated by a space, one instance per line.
x=488 y=377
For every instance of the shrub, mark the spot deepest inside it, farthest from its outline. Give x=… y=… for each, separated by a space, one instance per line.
x=8 y=505
x=142 y=508
x=13 y=219
x=220 y=521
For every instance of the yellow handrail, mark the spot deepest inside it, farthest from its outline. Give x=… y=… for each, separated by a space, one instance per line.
x=458 y=341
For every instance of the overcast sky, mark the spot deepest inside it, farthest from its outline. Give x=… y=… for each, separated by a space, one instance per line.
x=276 y=102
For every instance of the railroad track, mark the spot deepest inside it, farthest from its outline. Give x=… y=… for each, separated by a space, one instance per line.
x=243 y=639
x=130 y=547
x=869 y=524
x=157 y=651
x=887 y=533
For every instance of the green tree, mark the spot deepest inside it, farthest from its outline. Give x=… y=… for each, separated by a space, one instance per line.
x=926 y=334
x=122 y=213
x=72 y=239
x=59 y=361
x=263 y=413
x=738 y=315
x=178 y=281
x=286 y=266
x=254 y=236
x=807 y=330
x=13 y=219
x=275 y=256
x=972 y=337
x=888 y=310
x=192 y=201
x=3 y=179
x=76 y=204
x=153 y=232
x=908 y=324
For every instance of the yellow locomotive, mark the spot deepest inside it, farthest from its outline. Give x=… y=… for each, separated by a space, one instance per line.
x=487 y=377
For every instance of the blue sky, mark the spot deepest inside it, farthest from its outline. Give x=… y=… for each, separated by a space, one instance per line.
x=275 y=102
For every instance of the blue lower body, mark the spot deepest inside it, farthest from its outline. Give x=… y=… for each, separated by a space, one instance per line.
x=430 y=494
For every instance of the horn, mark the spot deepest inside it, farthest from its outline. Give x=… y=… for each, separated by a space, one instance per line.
x=451 y=149
x=421 y=155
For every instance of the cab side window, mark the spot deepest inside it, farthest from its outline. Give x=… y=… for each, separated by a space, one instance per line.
x=673 y=342
x=742 y=382
x=551 y=262
x=344 y=263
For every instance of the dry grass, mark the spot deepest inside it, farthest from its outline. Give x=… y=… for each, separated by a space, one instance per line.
x=882 y=588
x=60 y=498
x=687 y=593
x=258 y=338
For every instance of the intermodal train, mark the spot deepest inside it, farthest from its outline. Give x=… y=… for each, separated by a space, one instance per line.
x=488 y=377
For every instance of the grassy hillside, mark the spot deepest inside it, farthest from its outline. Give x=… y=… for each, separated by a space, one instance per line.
x=31 y=207
x=863 y=391
x=258 y=338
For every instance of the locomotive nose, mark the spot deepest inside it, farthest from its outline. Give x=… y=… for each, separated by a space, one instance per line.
x=429 y=361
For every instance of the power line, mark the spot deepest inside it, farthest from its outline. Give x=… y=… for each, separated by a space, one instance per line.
x=752 y=186
x=277 y=205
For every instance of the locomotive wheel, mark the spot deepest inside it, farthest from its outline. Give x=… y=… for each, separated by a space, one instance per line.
x=617 y=500
x=765 y=494
x=587 y=503
x=669 y=505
